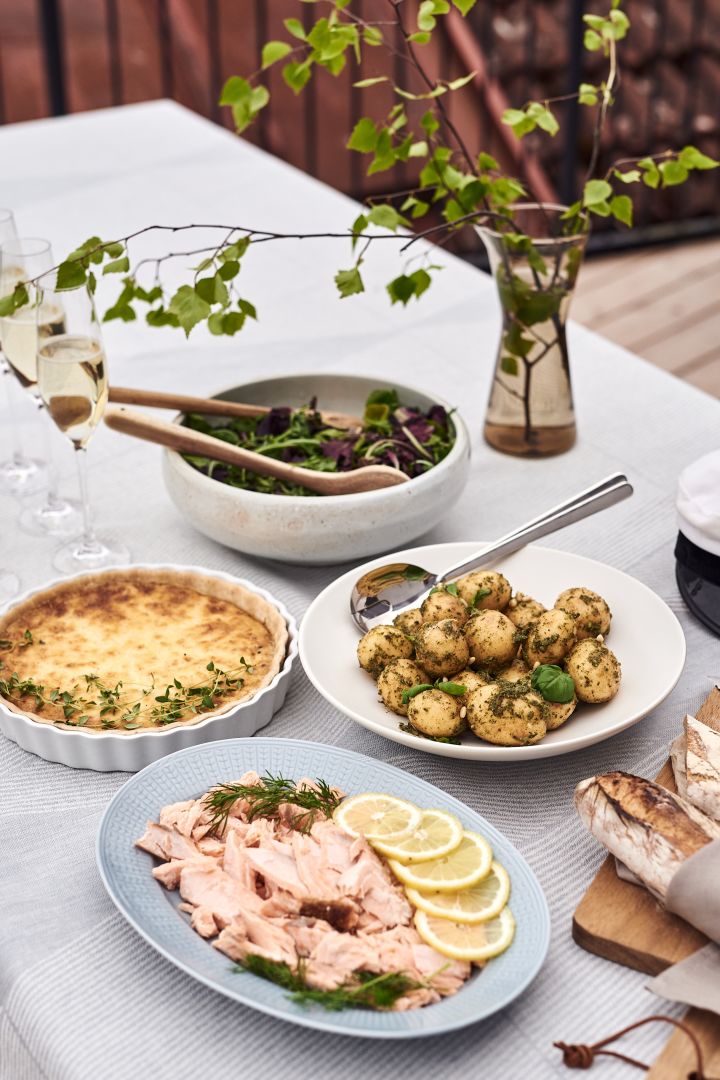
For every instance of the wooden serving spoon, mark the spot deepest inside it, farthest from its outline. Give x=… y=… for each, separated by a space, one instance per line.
x=186 y=441
x=185 y=403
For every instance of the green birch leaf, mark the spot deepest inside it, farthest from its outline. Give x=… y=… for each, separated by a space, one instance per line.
x=295 y=27
x=188 y=307
x=372 y=35
x=587 y=94
x=70 y=275
x=420 y=37
x=464 y=6
x=456 y=84
x=117 y=266
x=651 y=173
x=672 y=173
x=592 y=41
x=692 y=158
x=363 y=83
x=509 y=365
x=596 y=191
x=297 y=75
x=273 y=51
x=386 y=217
x=349 y=282
x=364 y=136
x=486 y=162
x=632 y=176
x=248 y=309
x=622 y=209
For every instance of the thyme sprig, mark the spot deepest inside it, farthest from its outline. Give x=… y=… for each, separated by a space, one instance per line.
x=176 y=702
x=265 y=798
x=366 y=991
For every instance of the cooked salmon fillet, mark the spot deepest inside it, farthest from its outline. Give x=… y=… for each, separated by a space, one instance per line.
x=323 y=897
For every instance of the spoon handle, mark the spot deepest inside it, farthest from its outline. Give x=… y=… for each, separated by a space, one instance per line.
x=598 y=497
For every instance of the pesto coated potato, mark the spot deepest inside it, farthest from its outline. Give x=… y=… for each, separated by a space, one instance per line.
x=471 y=680
x=523 y=610
x=595 y=670
x=441 y=649
x=549 y=639
x=491 y=639
x=492 y=583
x=381 y=645
x=591 y=613
x=395 y=678
x=434 y=713
x=558 y=712
x=514 y=672
x=409 y=621
x=441 y=604
x=506 y=714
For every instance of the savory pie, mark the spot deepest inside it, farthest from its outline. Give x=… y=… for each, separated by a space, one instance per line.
x=138 y=648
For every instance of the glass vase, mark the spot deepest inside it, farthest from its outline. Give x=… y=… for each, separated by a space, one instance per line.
x=535 y=266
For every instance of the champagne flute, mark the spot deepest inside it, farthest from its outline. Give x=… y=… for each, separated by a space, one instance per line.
x=73 y=382
x=19 y=473
x=29 y=257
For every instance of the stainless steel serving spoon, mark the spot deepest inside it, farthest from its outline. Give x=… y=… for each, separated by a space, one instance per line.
x=390 y=589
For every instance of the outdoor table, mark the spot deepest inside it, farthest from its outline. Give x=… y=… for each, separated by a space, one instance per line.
x=82 y=995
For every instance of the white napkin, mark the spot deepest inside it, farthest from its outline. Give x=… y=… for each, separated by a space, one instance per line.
x=694 y=895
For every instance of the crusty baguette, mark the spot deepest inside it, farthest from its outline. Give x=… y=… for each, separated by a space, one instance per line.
x=648 y=828
x=702 y=765
x=678 y=753
x=709 y=711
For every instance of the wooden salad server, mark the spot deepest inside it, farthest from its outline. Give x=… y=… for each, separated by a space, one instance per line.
x=186 y=403
x=186 y=441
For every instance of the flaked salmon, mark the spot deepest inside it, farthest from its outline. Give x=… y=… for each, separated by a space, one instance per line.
x=318 y=899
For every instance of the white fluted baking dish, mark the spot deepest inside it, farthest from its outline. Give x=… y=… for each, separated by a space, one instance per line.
x=107 y=751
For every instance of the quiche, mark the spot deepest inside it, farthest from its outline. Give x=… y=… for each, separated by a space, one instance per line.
x=138 y=648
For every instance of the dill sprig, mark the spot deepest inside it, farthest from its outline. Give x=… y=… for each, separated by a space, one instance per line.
x=265 y=797
x=366 y=991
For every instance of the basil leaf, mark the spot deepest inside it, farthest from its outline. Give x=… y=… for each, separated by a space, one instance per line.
x=479 y=595
x=553 y=683
x=414 y=691
x=451 y=588
x=452 y=688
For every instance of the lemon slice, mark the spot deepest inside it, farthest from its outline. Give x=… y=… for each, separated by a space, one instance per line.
x=474 y=905
x=461 y=868
x=467 y=941
x=437 y=834
x=377 y=816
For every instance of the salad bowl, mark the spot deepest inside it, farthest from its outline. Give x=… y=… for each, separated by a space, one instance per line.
x=320 y=529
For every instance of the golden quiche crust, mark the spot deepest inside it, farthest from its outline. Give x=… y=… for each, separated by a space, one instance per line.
x=141 y=627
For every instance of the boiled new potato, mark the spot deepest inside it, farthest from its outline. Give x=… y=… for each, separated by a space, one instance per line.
x=441 y=649
x=523 y=610
x=435 y=713
x=549 y=639
x=441 y=604
x=591 y=613
x=515 y=672
x=558 y=712
x=506 y=715
x=395 y=678
x=595 y=670
x=409 y=621
x=491 y=639
x=484 y=590
x=471 y=680
x=381 y=645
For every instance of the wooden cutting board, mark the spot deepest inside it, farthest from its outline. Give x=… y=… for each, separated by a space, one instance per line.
x=624 y=923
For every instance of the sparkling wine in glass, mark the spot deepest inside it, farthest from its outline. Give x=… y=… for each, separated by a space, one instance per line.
x=29 y=257
x=19 y=473
x=73 y=382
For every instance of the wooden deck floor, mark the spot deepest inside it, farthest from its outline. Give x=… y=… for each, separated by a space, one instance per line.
x=662 y=303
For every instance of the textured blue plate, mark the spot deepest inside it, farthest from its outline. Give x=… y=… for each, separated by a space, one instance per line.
x=152 y=911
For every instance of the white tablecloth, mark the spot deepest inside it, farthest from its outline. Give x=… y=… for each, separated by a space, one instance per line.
x=81 y=995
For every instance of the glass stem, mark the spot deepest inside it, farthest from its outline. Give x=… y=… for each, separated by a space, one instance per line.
x=52 y=499
x=89 y=543
x=18 y=456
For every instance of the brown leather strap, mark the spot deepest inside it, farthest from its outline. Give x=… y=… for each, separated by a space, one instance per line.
x=579 y=1056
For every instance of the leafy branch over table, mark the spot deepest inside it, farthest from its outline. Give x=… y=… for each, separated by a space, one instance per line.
x=451 y=182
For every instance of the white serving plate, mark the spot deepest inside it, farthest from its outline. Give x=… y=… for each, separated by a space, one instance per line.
x=152 y=910
x=645 y=636
x=108 y=751
x=320 y=529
